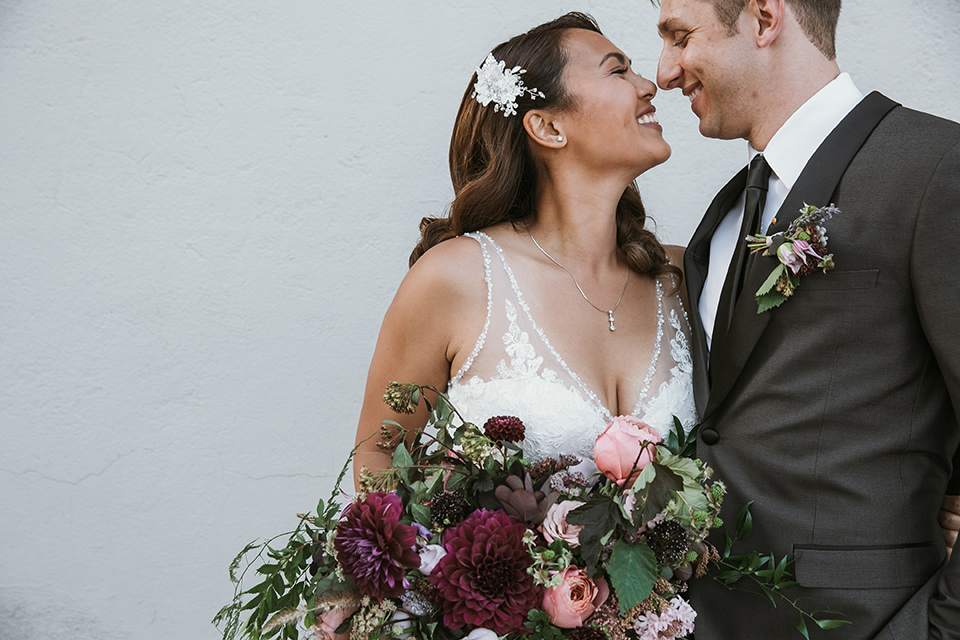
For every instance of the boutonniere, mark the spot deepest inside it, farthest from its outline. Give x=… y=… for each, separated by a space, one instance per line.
x=801 y=250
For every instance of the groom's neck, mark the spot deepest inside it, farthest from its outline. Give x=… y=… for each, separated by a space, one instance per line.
x=792 y=72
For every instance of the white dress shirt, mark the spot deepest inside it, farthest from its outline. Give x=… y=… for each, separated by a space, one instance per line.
x=787 y=153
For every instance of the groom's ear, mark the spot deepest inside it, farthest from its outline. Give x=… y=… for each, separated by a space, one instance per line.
x=544 y=129
x=766 y=20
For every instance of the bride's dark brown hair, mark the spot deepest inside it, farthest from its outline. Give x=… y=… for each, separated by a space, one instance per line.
x=493 y=171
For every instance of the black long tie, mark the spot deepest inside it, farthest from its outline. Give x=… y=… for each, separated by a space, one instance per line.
x=758 y=176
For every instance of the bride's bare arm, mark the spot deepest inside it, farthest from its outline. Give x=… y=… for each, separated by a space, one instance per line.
x=434 y=310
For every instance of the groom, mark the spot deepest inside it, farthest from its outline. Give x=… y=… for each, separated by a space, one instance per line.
x=836 y=412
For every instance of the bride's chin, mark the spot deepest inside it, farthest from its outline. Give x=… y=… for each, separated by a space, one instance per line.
x=655 y=158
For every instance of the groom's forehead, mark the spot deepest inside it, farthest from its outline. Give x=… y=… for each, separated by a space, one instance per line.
x=679 y=15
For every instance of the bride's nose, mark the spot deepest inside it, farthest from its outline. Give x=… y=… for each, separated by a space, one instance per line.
x=645 y=88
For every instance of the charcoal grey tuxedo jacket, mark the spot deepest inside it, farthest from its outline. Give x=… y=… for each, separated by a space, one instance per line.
x=837 y=412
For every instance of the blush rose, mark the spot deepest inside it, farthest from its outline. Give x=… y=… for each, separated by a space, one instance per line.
x=575 y=599
x=555 y=525
x=620 y=449
x=326 y=627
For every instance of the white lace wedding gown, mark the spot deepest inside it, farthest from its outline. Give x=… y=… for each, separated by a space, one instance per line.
x=514 y=370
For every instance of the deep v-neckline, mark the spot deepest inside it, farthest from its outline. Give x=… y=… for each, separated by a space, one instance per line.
x=608 y=415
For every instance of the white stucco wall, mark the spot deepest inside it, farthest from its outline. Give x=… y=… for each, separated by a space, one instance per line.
x=205 y=208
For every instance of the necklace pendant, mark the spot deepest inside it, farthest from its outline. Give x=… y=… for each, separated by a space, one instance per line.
x=610 y=318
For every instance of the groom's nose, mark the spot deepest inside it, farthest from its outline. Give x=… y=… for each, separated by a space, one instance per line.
x=669 y=71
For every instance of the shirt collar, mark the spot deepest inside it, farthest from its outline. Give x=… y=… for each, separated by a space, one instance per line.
x=792 y=146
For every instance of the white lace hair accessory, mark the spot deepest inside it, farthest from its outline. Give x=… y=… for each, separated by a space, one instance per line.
x=501 y=86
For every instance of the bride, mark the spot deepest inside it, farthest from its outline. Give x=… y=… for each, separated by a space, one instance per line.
x=542 y=295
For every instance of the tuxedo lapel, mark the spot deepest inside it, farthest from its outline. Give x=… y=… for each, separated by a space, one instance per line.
x=816 y=186
x=696 y=262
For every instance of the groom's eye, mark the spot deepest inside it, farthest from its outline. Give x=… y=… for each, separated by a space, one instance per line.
x=680 y=39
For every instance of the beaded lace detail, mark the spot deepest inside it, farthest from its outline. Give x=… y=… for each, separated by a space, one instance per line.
x=528 y=378
x=486 y=325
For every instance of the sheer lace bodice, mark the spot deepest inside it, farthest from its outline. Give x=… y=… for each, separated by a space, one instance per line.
x=514 y=370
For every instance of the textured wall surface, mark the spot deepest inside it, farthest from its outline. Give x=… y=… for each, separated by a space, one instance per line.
x=205 y=208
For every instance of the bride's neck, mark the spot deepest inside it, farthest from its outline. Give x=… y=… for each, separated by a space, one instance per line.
x=578 y=222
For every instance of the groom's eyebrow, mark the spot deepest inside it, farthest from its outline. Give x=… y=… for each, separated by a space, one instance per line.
x=619 y=56
x=668 y=25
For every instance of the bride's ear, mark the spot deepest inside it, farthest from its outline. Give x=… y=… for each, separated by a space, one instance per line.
x=544 y=129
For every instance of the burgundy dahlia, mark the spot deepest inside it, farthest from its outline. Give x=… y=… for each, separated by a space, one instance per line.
x=374 y=548
x=504 y=429
x=483 y=579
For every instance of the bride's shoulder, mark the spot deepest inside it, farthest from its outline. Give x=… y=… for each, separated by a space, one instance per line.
x=449 y=271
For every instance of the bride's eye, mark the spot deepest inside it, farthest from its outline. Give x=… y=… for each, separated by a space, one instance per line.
x=620 y=70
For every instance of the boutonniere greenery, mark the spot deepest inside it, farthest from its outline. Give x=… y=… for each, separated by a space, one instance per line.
x=801 y=250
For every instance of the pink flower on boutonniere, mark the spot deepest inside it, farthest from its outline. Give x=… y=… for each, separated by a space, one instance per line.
x=800 y=250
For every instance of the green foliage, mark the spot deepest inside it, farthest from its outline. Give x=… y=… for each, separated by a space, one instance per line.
x=658 y=486
x=633 y=571
x=599 y=515
x=770 y=576
x=680 y=443
x=767 y=296
x=540 y=626
x=285 y=581
x=288 y=579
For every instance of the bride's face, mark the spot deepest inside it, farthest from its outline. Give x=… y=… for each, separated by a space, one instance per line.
x=612 y=124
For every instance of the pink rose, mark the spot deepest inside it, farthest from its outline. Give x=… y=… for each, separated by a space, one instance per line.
x=620 y=449
x=326 y=627
x=555 y=525
x=576 y=597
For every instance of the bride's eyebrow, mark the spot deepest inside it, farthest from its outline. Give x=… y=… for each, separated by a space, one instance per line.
x=618 y=56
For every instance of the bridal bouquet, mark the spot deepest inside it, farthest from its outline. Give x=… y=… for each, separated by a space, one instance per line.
x=463 y=537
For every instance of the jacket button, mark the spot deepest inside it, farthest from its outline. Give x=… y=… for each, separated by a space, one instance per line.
x=710 y=436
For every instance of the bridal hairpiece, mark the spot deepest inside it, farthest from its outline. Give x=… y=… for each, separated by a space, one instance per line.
x=501 y=86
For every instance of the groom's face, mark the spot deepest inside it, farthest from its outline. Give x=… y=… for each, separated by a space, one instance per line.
x=711 y=66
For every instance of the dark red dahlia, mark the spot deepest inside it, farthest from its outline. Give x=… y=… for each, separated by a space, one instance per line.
x=483 y=579
x=504 y=429
x=374 y=548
